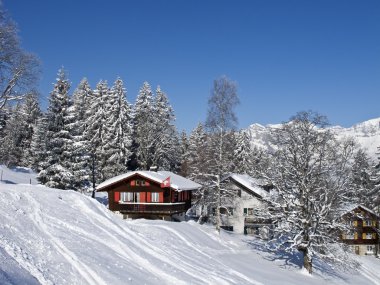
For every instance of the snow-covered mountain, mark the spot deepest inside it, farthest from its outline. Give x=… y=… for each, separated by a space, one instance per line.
x=367 y=134
x=50 y=236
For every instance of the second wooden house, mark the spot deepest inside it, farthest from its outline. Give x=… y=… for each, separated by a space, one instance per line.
x=362 y=234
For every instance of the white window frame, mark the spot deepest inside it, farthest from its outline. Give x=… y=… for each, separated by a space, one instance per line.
x=155 y=197
x=126 y=196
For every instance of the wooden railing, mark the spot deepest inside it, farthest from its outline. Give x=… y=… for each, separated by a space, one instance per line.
x=157 y=208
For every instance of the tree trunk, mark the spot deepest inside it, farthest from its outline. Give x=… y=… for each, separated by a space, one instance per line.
x=307 y=261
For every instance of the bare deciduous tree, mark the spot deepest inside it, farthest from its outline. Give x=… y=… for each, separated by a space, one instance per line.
x=310 y=171
x=19 y=70
x=221 y=120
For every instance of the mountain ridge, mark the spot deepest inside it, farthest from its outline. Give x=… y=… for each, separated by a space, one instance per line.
x=366 y=134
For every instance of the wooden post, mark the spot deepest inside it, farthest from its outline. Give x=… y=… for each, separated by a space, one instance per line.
x=30 y=181
x=1 y=179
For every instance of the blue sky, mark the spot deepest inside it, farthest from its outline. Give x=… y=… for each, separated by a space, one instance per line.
x=285 y=55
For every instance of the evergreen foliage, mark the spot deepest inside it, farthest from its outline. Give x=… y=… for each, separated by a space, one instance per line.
x=59 y=143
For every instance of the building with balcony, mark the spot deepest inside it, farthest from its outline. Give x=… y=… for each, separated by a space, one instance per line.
x=362 y=230
x=149 y=194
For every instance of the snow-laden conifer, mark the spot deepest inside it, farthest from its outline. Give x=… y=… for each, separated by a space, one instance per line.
x=57 y=172
x=95 y=129
x=144 y=127
x=80 y=157
x=166 y=150
x=118 y=128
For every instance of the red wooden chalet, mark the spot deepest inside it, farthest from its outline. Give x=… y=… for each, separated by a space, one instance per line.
x=149 y=194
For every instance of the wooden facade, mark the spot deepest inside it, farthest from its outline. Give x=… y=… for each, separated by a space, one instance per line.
x=139 y=196
x=362 y=234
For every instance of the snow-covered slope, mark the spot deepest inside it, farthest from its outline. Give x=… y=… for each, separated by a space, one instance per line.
x=51 y=236
x=367 y=134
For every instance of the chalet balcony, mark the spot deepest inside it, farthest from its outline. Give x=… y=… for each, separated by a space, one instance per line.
x=252 y=220
x=152 y=208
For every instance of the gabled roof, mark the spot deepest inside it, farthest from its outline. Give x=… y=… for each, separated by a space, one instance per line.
x=353 y=207
x=251 y=185
x=177 y=182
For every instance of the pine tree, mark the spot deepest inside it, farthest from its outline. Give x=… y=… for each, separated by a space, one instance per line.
x=118 y=124
x=95 y=130
x=18 y=131
x=11 y=150
x=375 y=180
x=31 y=112
x=197 y=162
x=166 y=143
x=243 y=153
x=144 y=127
x=57 y=172
x=38 y=147
x=80 y=156
x=362 y=184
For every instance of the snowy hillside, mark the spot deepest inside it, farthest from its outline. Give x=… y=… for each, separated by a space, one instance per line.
x=367 y=134
x=50 y=236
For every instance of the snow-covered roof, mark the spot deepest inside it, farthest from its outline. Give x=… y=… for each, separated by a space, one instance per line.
x=352 y=207
x=251 y=184
x=177 y=182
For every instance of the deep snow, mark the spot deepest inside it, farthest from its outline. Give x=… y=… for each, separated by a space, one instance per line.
x=51 y=236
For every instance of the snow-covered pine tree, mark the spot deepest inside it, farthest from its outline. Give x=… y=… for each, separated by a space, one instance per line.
x=362 y=185
x=38 y=147
x=197 y=154
x=15 y=150
x=375 y=180
x=80 y=157
x=144 y=120
x=31 y=112
x=166 y=142
x=95 y=130
x=243 y=153
x=118 y=128
x=198 y=168
x=310 y=172
x=57 y=171
x=11 y=143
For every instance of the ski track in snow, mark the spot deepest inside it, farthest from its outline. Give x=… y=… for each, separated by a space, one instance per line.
x=85 y=271
x=221 y=267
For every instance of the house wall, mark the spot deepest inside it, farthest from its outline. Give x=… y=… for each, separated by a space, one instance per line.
x=246 y=200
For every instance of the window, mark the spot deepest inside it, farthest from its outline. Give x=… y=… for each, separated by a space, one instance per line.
x=248 y=211
x=367 y=235
x=126 y=196
x=349 y=236
x=370 y=248
x=367 y=223
x=155 y=197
